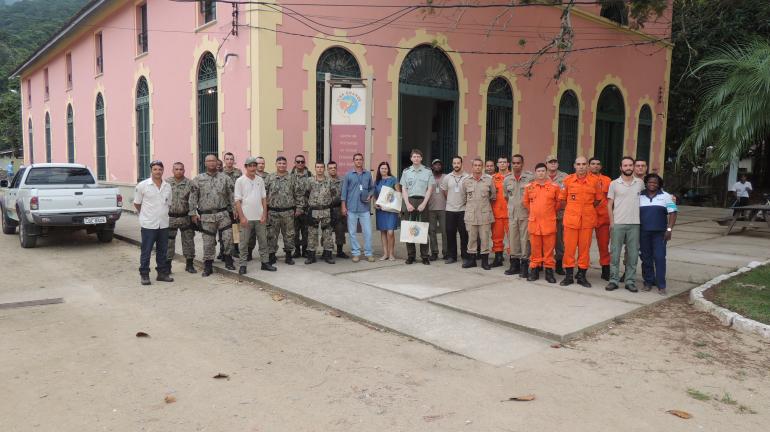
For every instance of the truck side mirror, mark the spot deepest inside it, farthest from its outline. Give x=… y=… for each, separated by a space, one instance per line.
x=4 y=183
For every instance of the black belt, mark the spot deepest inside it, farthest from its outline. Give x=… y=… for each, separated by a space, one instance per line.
x=177 y=215
x=279 y=209
x=417 y=197
x=203 y=212
x=320 y=207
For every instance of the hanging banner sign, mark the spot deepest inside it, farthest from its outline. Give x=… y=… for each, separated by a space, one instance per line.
x=348 y=125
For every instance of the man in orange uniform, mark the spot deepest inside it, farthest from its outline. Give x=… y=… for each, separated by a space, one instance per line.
x=541 y=198
x=500 y=211
x=603 y=217
x=580 y=195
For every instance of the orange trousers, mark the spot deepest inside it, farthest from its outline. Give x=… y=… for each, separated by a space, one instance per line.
x=580 y=239
x=499 y=232
x=603 y=242
x=541 y=250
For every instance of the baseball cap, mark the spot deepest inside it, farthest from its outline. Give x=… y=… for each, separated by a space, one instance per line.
x=437 y=161
x=250 y=160
x=550 y=158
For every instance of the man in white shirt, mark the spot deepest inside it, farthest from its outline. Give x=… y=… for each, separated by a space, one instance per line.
x=251 y=207
x=742 y=189
x=152 y=199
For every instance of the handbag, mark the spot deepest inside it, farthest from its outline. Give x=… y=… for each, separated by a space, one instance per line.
x=389 y=200
x=414 y=232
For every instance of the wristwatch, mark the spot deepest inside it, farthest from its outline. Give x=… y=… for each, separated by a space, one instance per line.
x=668 y=229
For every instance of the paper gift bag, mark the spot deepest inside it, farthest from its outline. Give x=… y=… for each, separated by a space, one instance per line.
x=414 y=232
x=236 y=233
x=389 y=200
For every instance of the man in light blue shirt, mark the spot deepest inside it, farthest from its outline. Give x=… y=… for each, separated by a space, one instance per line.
x=357 y=192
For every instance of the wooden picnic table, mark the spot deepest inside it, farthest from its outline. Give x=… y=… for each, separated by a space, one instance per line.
x=747 y=222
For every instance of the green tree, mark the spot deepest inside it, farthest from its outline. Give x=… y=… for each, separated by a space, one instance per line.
x=734 y=111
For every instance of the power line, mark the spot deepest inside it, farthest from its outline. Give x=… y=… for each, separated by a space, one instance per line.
x=473 y=52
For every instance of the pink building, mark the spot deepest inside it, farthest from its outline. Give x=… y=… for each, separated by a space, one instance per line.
x=126 y=82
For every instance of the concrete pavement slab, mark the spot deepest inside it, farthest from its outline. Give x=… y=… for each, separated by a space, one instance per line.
x=419 y=281
x=544 y=310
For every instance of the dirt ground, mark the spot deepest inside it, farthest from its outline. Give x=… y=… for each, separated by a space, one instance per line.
x=78 y=366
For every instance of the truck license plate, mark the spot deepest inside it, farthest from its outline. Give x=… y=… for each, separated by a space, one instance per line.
x=95 y=220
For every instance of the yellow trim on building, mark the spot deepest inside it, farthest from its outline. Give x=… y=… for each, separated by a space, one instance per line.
x=564 y=85
x=501 y=70
x=617 y=82
x=438 y=40
x=309 y=64
x=266 y=95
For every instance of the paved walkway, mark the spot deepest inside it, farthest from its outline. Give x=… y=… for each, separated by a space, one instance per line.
x=486 y=315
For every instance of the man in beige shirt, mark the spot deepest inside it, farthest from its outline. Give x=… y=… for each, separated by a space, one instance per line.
x=479 y=190
x=451 y=186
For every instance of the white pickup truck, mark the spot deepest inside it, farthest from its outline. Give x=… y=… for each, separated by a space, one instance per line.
x=41 y=197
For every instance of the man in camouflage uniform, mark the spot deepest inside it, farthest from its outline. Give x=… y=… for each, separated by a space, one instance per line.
x=339 y=222
x=302 y=220
x=320 y=194
x=284 y=202
x=211 y=203
x=179 y=219
x=229 y=169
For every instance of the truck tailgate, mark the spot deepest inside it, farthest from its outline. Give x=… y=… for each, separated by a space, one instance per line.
x=74 y=200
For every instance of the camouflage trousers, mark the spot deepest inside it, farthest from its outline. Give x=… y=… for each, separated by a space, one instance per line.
x=280 y=223
x=339 y=225
x=210 y=225
x=324 y=225
x=183 y=225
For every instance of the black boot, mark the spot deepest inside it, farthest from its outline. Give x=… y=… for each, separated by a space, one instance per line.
x=515 y=267
x=208 y=268
x=559 y=268
x=242 y=270
x=568 y=280
x=236 y=250
x=581 y=278
x=229 y=262
x=268 y=267
x=189 y=267
x=250 y=255
x=340 y=253
x=145 y=278
x=289 y=259
x=469 y=262
x=524 y=269
x=434 y=256
x=168 y=264
x=328 y=257
x=549 y=276
x=606 y=272
x=534 y=274
x=297 y=252
x=272 y=259
x=498 y=261
x=310 y=257
x=485 y=262
x=221 y=256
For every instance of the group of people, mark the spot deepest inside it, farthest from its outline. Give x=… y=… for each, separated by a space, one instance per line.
x=545 y=220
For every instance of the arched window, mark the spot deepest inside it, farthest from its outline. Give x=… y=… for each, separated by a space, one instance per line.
x=567 y=138
x=615 y=10
x=499 y=119
x=70 y=135
x=644 y=134
x=142 y=129
x=47 y=138
x=428 y=101
x=340 y=63
x=208 y=109
x=610 y=126
x=101 y=154
x=31 y=142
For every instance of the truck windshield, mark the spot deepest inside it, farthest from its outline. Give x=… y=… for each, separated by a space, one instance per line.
x=59 y=176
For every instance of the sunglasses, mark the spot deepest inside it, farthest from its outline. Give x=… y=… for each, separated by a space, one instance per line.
x=299 y=161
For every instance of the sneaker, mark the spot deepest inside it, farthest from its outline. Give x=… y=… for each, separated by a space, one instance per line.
x=356 y=258
x=370 y=258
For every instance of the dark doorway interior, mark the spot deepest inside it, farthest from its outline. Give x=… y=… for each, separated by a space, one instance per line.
x=427 y=124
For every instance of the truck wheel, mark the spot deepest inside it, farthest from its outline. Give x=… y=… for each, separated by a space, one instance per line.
x=8 y=225
x=26 y=240
x=104 y=235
